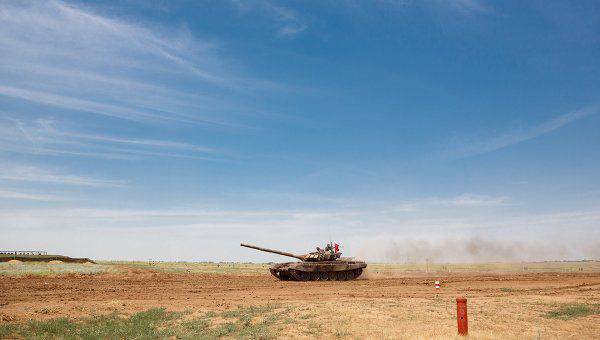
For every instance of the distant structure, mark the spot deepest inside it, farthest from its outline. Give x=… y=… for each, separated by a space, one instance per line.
x=38 y=256
x=23 y=252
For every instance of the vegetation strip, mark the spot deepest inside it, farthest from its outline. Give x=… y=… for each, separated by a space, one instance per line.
x=573 y=311
x=260 y=322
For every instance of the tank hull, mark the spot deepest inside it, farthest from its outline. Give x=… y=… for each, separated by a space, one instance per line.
x=318 y=271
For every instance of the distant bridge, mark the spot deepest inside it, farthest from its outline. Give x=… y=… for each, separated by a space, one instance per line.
x=23 y=252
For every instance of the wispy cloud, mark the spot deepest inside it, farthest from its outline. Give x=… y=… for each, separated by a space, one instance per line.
x=79 y=104
x=460 y=201
x=289 y=22
x=470 y=200
x=29 y=173
x=70 y=57
x=44 y=136
x=365 y=233
x=166 y=144
x=461 y=7
x=490 y=144
x=14 y=195
x=466 y=7
x=29 y=26
x=456 y=212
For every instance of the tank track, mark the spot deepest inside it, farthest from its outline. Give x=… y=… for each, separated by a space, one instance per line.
x=297 y=275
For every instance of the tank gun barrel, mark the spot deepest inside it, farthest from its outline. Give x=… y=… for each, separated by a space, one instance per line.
x=300 y=257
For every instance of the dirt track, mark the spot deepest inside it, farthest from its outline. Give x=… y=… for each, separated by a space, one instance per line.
x=137 y=289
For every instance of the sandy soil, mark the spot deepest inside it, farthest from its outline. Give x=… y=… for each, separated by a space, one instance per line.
x=500 y=306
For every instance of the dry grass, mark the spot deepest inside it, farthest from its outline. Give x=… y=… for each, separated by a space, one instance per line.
x=489 y=318
x=51 y=269
x=376 y=270
x=197 y=267
x=387 y=319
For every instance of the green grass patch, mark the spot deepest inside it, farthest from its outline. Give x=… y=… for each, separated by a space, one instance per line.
x=210 y=314
x=573 y=311
x=506 y=290
x=260 y=322
x=254 y=322
x=244 y=313
x=144 y=325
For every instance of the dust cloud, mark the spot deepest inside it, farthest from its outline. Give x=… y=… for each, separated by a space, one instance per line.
x=476 y=249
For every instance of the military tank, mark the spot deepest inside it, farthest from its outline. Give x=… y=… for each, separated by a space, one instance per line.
x=321 y=265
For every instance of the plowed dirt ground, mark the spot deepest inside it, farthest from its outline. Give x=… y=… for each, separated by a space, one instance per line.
x=499 y=305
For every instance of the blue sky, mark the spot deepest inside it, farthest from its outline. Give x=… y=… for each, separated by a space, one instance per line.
x=452 y=130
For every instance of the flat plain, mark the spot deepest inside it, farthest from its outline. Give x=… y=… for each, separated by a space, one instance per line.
x=236 y=300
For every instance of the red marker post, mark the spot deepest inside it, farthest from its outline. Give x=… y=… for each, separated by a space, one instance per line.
x=461 y=316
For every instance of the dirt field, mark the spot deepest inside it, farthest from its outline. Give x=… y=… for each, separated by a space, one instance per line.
x=513 y=305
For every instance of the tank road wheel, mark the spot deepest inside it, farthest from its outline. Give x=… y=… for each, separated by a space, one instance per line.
x=299 y=275
x=357 y=272
x=349 y=275
x=314 y=276
x=323 y=276
x=284 y=276
x=340 y=276
x=332 y=276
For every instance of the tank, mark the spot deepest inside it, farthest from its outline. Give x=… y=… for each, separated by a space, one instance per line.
x=321 y=265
